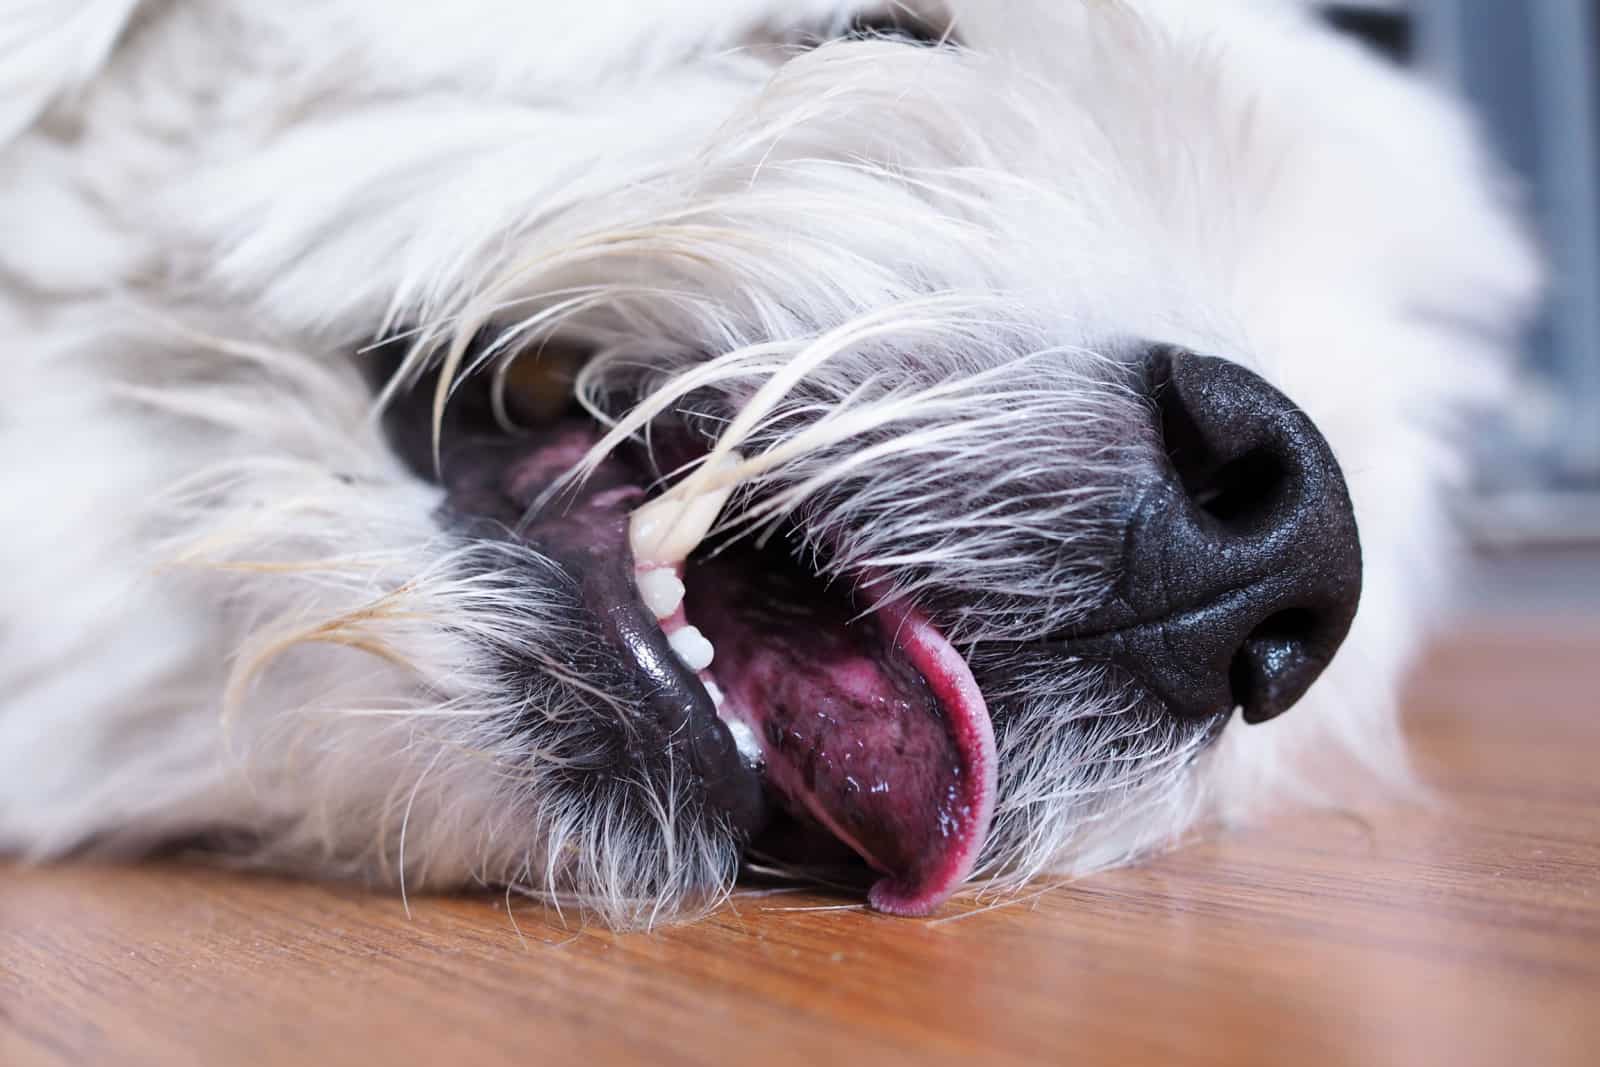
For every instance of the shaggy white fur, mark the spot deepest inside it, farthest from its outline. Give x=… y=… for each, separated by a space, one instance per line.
x=231 y=609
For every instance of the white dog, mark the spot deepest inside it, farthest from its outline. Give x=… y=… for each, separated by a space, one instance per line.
x=600 y=448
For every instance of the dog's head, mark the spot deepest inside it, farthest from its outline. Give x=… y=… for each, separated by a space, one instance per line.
x=805 y=429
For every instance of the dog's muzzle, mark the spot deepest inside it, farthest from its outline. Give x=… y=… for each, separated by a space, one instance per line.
x=1242 y=565
x=773 y=688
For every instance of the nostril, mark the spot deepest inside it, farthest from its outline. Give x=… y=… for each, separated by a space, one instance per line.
x=1240 y=489
x=1276 y=663
x=1233 y=489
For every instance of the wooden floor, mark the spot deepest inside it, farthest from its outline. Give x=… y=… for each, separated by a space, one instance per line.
x=1466 y=935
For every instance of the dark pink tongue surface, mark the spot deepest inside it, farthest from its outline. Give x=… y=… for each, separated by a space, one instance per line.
x=870 y=722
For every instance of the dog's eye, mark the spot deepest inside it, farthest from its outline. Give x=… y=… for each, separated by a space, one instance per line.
x=900 y=26
x=893 y=23
x=496 y=400
x=1389 y=33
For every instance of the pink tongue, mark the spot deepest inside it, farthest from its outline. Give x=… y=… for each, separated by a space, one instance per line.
x=871 y=726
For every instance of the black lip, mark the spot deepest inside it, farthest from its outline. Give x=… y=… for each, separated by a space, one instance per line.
x=585 y=532
x=597 y=555
x=588 y=540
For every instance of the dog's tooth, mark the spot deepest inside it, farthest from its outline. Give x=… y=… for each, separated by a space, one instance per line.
x=661 y=590
x=692 y=647
x=744 y=739
x=715 y=692
x=668 y=528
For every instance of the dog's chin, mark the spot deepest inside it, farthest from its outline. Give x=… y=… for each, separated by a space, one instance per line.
x=810 y=715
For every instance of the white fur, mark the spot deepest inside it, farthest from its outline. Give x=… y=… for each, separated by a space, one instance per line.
x=228 y=604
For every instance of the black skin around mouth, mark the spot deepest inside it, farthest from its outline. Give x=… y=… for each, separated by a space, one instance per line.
x=585 y=531
x=492 y=479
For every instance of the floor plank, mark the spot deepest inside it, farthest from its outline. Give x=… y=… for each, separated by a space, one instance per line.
x=1462 y=934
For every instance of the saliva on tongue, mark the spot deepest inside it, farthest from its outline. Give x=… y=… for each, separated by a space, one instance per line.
x=869 y=721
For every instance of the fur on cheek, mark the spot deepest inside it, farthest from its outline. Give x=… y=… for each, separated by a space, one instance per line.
x=293 y=659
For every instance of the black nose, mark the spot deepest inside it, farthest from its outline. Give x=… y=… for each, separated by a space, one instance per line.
x=1243 y=566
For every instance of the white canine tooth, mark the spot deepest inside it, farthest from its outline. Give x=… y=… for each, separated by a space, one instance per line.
x=669 y=527
x=744 y=739
x=715 y=692
x=692 y=647
x=661 y=590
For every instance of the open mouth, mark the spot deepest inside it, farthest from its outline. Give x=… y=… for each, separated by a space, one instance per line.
x=859 y=716
x=791 y=699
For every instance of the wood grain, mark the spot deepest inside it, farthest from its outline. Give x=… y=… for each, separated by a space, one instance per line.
x=1464 y=934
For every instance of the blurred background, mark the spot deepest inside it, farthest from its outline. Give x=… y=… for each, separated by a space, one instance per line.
x=1531 y=68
